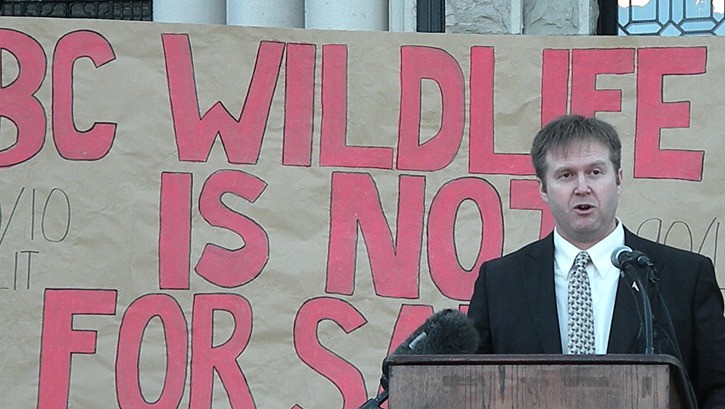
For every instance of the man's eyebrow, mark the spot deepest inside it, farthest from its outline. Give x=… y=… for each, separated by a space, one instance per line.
x=560 y=169
x=599 y=163
x=564 y=168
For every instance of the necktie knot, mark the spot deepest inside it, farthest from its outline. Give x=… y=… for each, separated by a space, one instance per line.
x=580 y=263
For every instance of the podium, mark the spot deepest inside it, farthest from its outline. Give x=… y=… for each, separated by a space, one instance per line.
x=537 y=381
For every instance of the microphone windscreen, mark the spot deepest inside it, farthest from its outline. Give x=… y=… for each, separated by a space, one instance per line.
x=617 y=253
x=447 y=332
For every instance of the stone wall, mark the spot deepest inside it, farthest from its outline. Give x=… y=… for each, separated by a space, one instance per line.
x=534 y=17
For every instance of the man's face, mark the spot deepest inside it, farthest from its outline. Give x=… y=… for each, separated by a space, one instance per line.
x=582 y=191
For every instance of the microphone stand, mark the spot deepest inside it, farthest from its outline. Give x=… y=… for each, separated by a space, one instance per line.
x=630 y=266
x=653 y=278
x=631 y=270
x=374 y=403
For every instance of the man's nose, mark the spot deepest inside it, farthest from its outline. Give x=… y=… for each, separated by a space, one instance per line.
x=582 y=185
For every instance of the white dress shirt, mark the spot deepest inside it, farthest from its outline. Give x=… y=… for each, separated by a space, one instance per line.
x=603 y=278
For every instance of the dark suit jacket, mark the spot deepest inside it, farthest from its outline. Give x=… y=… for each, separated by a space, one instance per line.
x=514 y=309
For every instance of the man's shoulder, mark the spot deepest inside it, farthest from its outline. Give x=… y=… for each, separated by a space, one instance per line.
x=536 y=249
x=661 y=251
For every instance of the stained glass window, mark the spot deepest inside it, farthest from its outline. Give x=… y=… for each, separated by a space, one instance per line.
x=671 y=17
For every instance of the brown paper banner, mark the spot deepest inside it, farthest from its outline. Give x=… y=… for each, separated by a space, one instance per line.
x=211 y=216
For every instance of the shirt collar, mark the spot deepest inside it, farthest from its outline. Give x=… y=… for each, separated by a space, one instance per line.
x=600 y=253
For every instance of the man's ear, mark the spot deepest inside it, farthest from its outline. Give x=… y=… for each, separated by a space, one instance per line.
x=620 y=177
x=542 y=189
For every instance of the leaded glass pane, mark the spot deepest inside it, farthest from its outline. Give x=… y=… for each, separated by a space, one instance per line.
x=671 y=17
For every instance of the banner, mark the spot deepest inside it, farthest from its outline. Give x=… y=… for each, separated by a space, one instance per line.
x=208 y=216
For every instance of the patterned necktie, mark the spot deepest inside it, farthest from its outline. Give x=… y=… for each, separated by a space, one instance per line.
x=581 y=316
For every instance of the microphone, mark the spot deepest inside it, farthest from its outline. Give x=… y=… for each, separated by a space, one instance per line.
x=627 y=260
x=624 y=255
x=447 y=332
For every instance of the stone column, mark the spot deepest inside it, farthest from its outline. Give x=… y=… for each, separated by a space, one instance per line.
x=370 y=15
x=267 y=13
x=190 y=11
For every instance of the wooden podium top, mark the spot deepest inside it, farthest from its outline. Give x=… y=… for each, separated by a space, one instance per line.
x=537 y=381
x=522 y=359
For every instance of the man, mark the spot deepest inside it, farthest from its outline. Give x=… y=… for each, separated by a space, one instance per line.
x=521 y=302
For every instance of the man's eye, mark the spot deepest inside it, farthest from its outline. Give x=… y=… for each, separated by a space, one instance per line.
x=596 y=172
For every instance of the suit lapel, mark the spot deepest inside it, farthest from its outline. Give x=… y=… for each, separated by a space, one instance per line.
x=625 y=321
x=538 y=286
x=626 y=324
